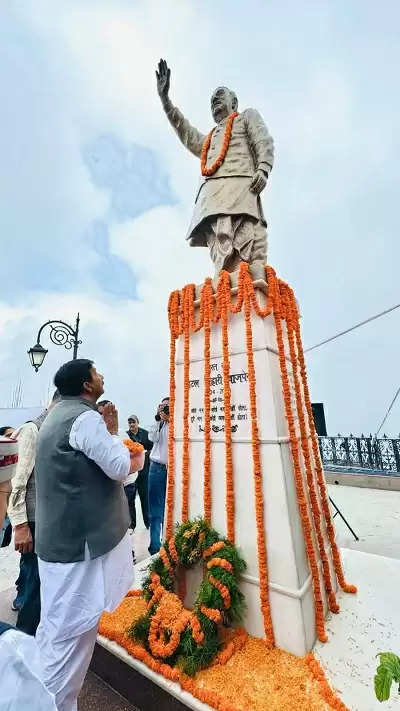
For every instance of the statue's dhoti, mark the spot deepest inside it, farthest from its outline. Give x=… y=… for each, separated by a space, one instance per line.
x=228 y=219
x=233 y=239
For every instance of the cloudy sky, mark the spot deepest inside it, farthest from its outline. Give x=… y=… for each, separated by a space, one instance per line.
x=97 y=192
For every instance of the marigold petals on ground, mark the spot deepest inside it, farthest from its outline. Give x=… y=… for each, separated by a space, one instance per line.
x=254 y=678
x=130 y=609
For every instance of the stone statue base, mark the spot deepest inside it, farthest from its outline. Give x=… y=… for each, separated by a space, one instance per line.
x=290 y=584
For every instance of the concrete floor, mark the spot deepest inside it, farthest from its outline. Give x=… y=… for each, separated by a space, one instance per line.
x=369 y=622
x=374 y=515
x=98 y=696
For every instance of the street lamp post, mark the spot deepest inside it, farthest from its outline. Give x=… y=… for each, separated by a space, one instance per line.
x=61 y=334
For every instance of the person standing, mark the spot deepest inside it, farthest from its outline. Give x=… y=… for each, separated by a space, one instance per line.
x=141 y=486
x=84 y=552
x=8 y=465
x=5 y=525
x=22 y=514
x=6 y=431
x=158 y=434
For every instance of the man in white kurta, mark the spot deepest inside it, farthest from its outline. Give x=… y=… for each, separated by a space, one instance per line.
x=74 y=594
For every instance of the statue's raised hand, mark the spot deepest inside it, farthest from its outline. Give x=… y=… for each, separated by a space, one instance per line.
x=163 y=79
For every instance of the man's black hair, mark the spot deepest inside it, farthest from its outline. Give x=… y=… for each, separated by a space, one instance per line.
x=70 y=377
x=3 y=430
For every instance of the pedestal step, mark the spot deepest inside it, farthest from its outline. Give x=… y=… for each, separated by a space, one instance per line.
x=141 y=686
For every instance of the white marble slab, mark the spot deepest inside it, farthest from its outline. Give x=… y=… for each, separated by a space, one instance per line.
x=368 y=623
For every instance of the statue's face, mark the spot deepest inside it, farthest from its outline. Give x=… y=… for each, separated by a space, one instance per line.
x=221 y=104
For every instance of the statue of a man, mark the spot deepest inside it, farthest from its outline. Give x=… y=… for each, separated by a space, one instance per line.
x=236 y=159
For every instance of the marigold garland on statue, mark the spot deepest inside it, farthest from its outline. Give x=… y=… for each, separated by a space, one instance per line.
x=187 y=638
x=225 y=145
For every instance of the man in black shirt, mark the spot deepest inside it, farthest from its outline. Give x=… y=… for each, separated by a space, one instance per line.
x=138 y=434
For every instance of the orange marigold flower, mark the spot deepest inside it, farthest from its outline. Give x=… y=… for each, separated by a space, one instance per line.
x=213 y=549
x=221 y=563
x=225 y=145
x=134 y=447
x=212 y=614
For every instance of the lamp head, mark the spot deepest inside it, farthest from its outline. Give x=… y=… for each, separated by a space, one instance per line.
x=37 y=354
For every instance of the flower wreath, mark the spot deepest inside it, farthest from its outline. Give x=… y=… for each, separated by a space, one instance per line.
x=190 y=638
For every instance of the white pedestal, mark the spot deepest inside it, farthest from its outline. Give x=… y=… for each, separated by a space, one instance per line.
x=291 y=594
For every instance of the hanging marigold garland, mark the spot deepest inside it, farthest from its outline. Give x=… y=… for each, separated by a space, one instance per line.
x=223 y=293
x=281 y=303
x=206 y=301
x=225 y=145
x=287 y=299
x=317 y=461
x=188 y=294
x=173 y=317
x=306 y=523
x=257 y=472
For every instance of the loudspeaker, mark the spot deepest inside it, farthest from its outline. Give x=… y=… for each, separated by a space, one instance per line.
x=319 y=418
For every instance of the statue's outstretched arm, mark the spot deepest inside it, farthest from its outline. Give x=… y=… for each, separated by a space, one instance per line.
x=191 y=138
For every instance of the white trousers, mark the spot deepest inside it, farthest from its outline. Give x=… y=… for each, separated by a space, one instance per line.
x=64 y=665
x=73 y=598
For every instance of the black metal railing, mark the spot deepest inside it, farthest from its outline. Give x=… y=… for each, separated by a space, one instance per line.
x=361 y=452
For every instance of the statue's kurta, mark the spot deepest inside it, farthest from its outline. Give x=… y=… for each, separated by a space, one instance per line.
x=227 y=192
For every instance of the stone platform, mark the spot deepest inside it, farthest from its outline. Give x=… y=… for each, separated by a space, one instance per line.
x=368 y=623
x=291 y=593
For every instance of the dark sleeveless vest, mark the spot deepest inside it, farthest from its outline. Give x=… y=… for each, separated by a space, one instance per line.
x=76 y=502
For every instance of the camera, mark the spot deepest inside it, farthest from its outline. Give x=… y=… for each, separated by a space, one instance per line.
x=164 y=408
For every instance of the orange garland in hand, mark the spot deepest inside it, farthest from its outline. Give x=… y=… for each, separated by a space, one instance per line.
x=134 y=447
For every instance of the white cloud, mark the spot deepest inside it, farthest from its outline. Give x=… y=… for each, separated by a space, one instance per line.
x=316 y=73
